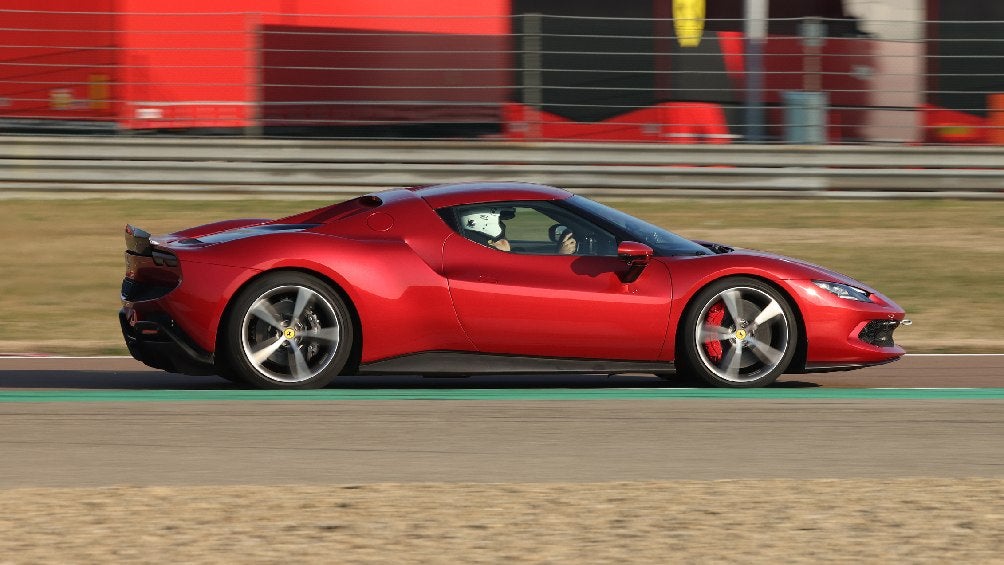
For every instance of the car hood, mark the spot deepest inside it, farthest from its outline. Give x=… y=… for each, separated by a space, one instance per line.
x=785 y=267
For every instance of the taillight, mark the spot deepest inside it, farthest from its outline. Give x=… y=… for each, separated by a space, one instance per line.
x=150 y=276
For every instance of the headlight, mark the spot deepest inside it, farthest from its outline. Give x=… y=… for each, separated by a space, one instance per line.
x=844 y=291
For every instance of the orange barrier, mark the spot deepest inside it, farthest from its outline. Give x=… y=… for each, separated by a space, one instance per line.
x=995 y=119
x=668 y=122
x=942 y=125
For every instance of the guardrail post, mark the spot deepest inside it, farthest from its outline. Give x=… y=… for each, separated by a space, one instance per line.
x=756 y=34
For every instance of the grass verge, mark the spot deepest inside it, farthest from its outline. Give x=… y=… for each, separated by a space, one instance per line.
x=943 y=261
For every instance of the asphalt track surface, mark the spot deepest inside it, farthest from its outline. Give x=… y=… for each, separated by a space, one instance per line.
x=110 y=421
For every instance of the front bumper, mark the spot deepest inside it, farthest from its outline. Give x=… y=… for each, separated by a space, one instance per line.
x=844 y=334
x=160 y=344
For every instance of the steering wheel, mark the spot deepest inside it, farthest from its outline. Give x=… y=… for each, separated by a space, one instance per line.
x=558 y=233
x=555 y=232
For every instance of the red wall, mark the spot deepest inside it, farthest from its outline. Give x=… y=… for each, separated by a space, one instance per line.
x=208 y=63
x=191 y=68
x=204 y=69
x=201 y=63
x=57 y=66
x=380 y=63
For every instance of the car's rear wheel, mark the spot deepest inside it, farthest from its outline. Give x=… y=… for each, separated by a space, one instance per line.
x=288 y=330
x=739 y=332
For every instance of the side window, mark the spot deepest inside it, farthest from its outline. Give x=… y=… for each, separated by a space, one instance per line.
x=533 y=228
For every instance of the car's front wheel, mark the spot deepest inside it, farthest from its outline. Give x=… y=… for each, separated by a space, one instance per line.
x=288 y=330
x=739 y=332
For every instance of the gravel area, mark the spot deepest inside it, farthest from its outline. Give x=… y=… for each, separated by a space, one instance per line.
x=750 y=521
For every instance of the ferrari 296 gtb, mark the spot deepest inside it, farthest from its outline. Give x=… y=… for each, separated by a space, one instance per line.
x=493 y=277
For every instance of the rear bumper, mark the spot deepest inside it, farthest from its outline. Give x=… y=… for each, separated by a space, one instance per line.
x=159 y=343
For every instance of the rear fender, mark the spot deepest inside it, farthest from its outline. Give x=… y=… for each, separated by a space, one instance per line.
x=403 y=304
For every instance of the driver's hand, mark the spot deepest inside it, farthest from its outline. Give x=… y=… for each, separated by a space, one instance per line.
x=567 y=245
x=501 y=245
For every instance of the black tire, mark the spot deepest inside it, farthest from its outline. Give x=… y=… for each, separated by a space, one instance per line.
x=287 y=330
x=739 y=332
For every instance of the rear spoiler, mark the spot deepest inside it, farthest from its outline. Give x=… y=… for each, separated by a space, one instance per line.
x=138 y=241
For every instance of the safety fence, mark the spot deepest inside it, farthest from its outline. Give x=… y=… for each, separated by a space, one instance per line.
x=828 y=71
x=51 y=165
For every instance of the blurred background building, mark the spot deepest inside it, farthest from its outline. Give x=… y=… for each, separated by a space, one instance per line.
x=668 y=71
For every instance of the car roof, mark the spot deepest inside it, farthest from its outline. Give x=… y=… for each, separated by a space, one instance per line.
x=444 y=195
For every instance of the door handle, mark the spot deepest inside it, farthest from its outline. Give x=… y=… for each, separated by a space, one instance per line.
x=487 y=279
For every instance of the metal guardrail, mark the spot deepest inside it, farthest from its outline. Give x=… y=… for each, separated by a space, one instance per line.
x=38 y=164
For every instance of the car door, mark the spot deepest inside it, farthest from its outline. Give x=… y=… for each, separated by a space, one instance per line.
x=534 y=301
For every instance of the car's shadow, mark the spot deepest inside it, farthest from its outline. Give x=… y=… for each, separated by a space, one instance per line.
x=156 y=380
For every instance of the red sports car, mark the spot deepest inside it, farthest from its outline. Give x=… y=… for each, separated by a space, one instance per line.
x=485 y=278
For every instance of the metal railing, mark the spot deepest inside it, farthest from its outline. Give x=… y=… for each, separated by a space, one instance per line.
x=855 y=74
x=208 y=167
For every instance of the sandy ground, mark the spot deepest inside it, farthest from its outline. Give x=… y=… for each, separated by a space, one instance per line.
x=902 y=520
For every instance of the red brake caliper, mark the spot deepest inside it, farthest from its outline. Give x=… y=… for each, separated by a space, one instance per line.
x=713 y=347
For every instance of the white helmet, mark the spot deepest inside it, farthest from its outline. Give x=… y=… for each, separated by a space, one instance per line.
x=483 y=219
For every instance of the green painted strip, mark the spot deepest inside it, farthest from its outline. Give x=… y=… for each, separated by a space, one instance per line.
x=329 y=395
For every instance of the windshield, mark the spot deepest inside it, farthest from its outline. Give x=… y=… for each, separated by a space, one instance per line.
x=662 y=241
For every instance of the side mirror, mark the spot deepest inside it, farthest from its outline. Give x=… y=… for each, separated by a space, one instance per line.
x=637 y=256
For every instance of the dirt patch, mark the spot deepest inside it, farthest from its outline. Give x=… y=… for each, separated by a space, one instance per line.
x=908 y=520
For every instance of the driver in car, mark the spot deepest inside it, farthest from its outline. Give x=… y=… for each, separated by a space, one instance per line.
x=484 y=225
